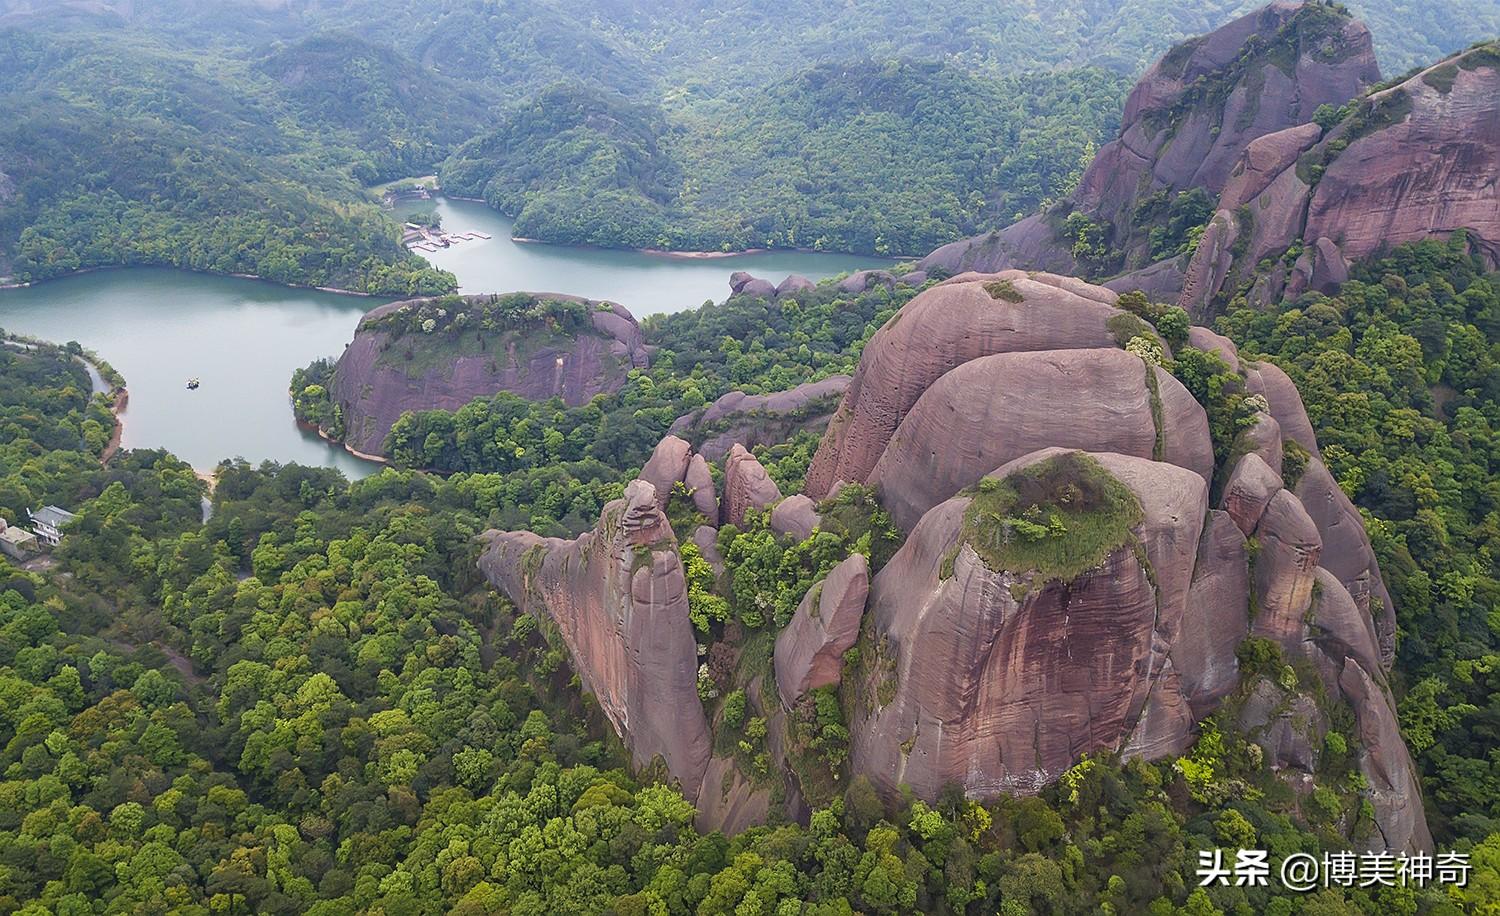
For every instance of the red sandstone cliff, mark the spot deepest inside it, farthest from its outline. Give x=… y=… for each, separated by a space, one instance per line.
x=1186 y=124
x=1417 y=160
x=388 y=369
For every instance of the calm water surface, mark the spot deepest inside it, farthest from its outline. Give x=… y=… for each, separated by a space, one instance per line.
x=243 y=338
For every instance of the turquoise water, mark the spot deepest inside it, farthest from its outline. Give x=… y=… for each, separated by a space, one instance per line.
x=242 y=338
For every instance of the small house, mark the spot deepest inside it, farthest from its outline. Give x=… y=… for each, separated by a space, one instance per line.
x=47 y=524
x=16 y=542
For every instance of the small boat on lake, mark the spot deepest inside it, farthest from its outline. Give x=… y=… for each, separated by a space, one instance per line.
x=192 y=383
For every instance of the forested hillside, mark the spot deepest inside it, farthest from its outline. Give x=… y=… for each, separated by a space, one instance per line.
x=124 y=151
x=698 y=126
x=881 y=159
x=312 y=704
x=1401 y=375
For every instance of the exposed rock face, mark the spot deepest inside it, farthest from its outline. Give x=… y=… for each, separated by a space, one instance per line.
x=700 y=483
x=1270 y=382
x=1385 y=762
x=1415 y=161
x=672 y=462
x=728 y=802
x=1186 y=125
x=793 y=284
x=1289 y=552
x=1347 y=552
x=996 y=408
x=375 y=381
x=706 y=538
x=810 y=650
x=974 y=674
x=1251 y=485
x=942 y=328
x=760 y=419
x=862 y=280
x=991 y=690
x=667 y=466
x=618 y=597
x=1288 y=730
x=796 y=516
x=747 y=486
x=1216 y=618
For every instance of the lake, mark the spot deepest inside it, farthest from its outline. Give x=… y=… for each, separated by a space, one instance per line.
x=243 y=338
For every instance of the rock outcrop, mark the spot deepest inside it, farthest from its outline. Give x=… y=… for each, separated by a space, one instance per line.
x=796 y=517
x=618 y=597
x=397 y=363
x=810 y=650
x=996 y=408
x=1417 y=160
x=945 y=326
x=747 y=486
x=1186 y=125
x=753 y=420
x=674 y=462
x=1000 y=678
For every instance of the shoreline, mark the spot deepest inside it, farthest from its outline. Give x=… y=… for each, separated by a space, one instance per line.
x=31 y=284
x=686 y=255
x=338 y=443
x=712 y=255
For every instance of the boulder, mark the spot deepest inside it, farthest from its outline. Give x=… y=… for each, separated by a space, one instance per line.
x=1284 y=570
x=973 y=675
x=943 y=327
x=1251 y=485
x=793 y=284
x=757 y=288
x=1204 y=339
x=862 y=280
x=913 y=278
x=1264 y=439
x=810 y=649
x=796 y=517
x=700 y=484
x=706 y=539
x=618 y=598
x=747 y=486
x=996 y=408
x=667 y=467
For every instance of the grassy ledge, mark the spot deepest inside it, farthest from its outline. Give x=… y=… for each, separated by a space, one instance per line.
x=1057 y=518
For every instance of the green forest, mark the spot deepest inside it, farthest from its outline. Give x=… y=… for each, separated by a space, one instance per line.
x=1400 y=373
x=244 y=138
x=313 y=703
x=128 y=152
x=883 y=159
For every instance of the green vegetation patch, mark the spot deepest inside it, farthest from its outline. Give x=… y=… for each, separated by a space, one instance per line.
x=1442 y=77
x=1057 y=517
x=1004 y=290
x=1126 y=327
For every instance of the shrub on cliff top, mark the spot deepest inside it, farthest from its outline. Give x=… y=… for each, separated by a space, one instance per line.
x=1058 y=517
